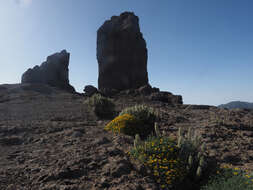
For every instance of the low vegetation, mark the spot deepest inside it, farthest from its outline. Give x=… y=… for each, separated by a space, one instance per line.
x=175 y=163
x=103 y=107
x=161 y=156
x=146 y=117
x=126 y=124
x=141 y=112
x=228 y=178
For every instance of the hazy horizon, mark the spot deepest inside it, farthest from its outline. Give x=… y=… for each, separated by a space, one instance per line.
x=199 y=50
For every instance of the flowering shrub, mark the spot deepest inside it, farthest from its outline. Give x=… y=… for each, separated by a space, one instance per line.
x=179 y=163
x=145 y=115
x=174 y=162
x=126 y=124
x=142 y=113
x=230 y=179
x=161 y=155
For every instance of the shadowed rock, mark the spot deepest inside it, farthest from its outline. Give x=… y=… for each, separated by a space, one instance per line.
x=121 y=54
x=54 y=72
x=89 y=90
x=166 y=97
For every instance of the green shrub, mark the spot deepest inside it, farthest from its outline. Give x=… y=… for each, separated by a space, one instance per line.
x=141 y=112
x=145 y=115
x=192 y=151
x=103 y=107
x=230 y=179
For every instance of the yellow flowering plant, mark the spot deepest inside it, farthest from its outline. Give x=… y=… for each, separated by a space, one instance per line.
x=173 y=161
x=145 y=115
x=228 y=178
x=126 y=124
x=161 y=156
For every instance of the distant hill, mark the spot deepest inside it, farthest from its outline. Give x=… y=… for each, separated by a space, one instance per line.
x=237 y=104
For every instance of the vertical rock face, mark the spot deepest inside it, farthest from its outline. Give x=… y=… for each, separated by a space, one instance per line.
x=54 y=72
x=121 y=53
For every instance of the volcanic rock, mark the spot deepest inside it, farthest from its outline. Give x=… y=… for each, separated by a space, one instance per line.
x=121 y=54
x=54 y=72
x=108 y=92
x=145 y=90
x=89 y=90
x=166 y=97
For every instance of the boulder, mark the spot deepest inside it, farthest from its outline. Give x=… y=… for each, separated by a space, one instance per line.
x=89 y=90
x=145 y=90
x=108 y=91
x=121 y=54
x=177 y=99
x=53 y=72
x=155 y=89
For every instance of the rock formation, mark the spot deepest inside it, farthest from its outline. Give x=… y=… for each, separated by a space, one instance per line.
x=121 y=54
x=89 y=90
x=54 y=72
x=166 y=97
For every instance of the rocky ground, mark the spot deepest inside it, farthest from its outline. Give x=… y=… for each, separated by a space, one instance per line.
x=49 y=140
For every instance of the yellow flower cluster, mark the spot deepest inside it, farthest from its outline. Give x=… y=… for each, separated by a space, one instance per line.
x=162 y=158
x=125 y=123
x=238 y=172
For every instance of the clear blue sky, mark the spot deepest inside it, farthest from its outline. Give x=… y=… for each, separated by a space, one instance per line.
x=201 y=49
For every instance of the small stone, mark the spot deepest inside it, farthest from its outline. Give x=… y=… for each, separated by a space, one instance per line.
x=113 y=151
x=121 y=167
x=77 y=134
x=101 y=141
x=104 y=183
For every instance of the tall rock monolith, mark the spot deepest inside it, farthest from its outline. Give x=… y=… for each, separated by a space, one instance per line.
x=121 y=54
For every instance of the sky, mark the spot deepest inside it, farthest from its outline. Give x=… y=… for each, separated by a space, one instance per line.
x=200 y=49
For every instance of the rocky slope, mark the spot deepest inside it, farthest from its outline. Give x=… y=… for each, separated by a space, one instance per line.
x=49 y=140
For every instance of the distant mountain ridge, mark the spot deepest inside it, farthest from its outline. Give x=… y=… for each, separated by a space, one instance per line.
x=237 y=104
